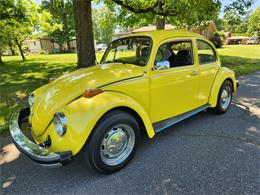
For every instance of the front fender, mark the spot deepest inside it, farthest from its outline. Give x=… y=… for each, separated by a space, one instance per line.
x=83 y=114
x=222 y=74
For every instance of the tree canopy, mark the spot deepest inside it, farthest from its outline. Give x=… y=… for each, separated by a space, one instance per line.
x=18 y=19
x=181 y=12
x=253 y=24
x=236 y=16
x=62 y=14
x=103 y=24
x=239 y=7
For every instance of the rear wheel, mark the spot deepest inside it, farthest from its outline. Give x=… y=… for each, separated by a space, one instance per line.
x=224 y=97
x=113 y=142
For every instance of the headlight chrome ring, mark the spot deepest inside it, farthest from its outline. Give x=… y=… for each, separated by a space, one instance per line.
x=60 y=123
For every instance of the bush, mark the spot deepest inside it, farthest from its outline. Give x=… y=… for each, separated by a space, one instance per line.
x=44 y=52
x=217 y=40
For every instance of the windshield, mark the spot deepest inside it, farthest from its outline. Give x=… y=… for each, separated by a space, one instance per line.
x=130 y=50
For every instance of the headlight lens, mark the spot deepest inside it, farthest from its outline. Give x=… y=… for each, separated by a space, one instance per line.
x=60 y=123
x=31 y=99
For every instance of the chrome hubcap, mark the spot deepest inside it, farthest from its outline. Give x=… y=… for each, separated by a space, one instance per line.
x=117 y=144
x=226 y=97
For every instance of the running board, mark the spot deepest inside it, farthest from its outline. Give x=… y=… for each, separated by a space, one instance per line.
x=161 y=125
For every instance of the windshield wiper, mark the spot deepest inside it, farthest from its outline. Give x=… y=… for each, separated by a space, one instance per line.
x=123 y=62
x=117 y=61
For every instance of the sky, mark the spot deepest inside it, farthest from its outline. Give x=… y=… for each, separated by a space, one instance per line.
x=224 y=2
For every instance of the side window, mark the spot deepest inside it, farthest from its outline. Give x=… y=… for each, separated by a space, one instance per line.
x=206 y=53
x=174 y=54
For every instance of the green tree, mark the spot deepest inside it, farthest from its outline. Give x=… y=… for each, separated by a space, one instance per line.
x=235 y=16
x=231 y=21
x=254 y=23
x=239 y=7
x=46 y=24
x=62 y=15
x=126 y=20
x=19 y=18
x=103 y=24
x=218 y=39
x=182 y=12
x=4 y=37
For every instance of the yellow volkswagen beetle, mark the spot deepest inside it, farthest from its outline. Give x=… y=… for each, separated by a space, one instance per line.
x=144 y=83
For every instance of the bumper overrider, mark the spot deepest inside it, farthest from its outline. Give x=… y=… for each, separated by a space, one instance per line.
x=35 y=152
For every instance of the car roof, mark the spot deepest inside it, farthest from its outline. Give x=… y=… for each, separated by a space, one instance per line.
x=160 y=35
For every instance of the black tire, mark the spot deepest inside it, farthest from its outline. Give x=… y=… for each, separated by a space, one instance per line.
x=93 y=148
x=220 y=108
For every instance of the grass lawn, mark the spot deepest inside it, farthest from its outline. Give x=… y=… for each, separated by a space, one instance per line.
x=19 y=78
x=243 y=59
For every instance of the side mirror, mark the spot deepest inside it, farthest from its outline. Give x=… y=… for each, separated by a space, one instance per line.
x=162 y=65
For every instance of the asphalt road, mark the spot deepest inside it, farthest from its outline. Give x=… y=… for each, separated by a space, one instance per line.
x=206 y=154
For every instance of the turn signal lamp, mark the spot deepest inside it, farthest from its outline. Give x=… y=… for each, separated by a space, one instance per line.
x=88 y=93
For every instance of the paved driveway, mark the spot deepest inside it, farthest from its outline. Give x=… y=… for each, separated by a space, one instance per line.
x=206 y=154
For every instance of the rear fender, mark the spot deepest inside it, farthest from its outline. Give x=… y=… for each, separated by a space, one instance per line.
x=222 y=75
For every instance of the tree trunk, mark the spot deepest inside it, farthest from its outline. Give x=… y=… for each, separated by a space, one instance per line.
x=11 y=46
x=84 y=33
x=60 y=48
x=20 y=49
x=12 y=51
x=68 y=46
x=160 y=23
x=1 y=61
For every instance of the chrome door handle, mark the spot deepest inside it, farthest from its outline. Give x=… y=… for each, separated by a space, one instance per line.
x=194 y=73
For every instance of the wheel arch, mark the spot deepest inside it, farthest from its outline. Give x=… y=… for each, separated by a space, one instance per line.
x=132 y=112
x=222 y=75
x=231 y=81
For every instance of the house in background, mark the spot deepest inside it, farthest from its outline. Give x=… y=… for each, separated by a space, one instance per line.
x=39 y=45
x=207 y=32
x=33 y=45
x=237 y=40
x=48 y=45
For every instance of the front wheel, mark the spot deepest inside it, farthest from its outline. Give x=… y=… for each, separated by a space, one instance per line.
x=224 y=98
x=113 y=142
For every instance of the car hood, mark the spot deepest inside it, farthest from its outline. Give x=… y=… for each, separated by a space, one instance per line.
x=50 y=98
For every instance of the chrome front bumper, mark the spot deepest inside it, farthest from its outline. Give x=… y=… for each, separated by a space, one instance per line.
x=35 y=152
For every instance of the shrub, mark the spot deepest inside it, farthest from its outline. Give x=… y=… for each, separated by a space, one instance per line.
x=44 y=52
x=217 y=40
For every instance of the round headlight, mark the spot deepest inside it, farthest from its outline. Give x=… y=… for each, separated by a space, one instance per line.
x=59 y=121
x=31 y=99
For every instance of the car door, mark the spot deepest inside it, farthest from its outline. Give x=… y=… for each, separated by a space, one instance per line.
x=173 y=85
x=208 y=67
